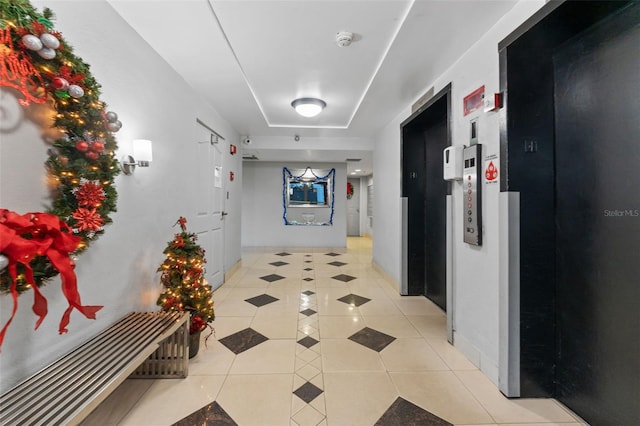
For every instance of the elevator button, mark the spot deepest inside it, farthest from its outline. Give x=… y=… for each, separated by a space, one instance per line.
x=469 y=220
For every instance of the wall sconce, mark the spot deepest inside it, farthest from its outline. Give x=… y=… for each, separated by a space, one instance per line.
x=142 y=156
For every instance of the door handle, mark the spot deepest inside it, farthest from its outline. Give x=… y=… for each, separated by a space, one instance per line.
x=223 y=214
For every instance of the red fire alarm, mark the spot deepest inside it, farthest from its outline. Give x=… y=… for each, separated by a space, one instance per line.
x=232 y=150
x=231 y=176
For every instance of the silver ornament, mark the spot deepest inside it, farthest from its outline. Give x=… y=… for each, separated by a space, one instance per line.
x=47 y=53
x=114 y=126
x=76 y=91
x=50 y=41
x=112 y=117
x=31 y=42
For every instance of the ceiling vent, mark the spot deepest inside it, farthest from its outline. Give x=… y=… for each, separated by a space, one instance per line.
x=344 y=38
x=353 y=160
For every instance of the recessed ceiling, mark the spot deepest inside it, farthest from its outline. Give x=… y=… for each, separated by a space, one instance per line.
x=250 y=59
x=287 y=50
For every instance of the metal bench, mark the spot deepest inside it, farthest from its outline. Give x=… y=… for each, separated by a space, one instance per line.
x=141 y=345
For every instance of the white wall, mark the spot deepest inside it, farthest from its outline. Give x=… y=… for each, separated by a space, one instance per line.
x=262 y=208
x=366 y=222
x=475 y=279
x=119 y=270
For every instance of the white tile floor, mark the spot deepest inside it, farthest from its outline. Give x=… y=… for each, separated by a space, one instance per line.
x=356 y=385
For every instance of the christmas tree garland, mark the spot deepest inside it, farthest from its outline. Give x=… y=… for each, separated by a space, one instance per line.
x=183 y=280
x=40 y=65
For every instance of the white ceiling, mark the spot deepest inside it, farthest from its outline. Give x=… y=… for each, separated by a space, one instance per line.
x=250 y=59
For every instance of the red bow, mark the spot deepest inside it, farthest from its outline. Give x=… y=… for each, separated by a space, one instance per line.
x=47 y=236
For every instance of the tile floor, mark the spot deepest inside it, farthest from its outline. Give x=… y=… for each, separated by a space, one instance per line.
x=320 y=338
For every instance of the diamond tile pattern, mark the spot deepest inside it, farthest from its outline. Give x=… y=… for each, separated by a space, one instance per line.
x=278 y=263
x=243 y=340
x=313 y=369
x=372 y=339
x=344 y=277
x=273 y=277
x=308 y=261
x=212 y=414
x=308 y=269
x=263 y=299
x=354 y=299
x=336 y=263
x=403 y=412
x=308 y=392
x=308 y=341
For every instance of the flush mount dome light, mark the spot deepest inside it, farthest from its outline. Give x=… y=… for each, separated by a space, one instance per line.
x=308 y=107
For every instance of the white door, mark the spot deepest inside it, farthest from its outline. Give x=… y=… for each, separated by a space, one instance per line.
x=353 y=210
x=208 y=222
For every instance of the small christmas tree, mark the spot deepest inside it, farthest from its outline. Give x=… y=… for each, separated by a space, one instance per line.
x=184 y=285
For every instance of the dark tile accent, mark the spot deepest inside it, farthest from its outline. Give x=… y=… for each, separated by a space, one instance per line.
x=308 y=392
x=308 y=261
x=372 y=339
x=307 y=341
x=307 y=255
x=337 y=263
x=332 y=254
x=308 y=279
x=343 y=277
x=243 y=340
x=308 y=269
x=209 y=415
x=308 y=292
x=284 y=253
x=271 y=278
x=308 y=312
x=354 y=299
x=263 y=299
x=403 y=412
x=278 y=263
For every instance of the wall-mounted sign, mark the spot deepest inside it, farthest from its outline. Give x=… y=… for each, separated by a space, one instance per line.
x=491 y=172
x=217 y=177
x=473 y=101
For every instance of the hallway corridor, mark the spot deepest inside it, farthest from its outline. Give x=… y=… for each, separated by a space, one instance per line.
x=320 y=338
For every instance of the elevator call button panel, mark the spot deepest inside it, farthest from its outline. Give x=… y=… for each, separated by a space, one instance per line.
x=471 y=187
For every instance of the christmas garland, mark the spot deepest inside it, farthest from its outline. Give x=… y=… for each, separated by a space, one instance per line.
x=40 y=65
x=286 y=174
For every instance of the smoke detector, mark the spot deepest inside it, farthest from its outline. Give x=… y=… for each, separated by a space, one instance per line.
x=344 y=38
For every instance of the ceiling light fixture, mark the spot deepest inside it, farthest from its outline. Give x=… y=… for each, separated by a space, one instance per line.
x=308 y=107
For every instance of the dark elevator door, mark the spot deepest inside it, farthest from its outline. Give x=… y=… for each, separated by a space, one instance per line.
x=424 y=138
x=597 y=106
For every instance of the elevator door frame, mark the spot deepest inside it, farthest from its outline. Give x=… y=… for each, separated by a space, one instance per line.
x=423 y=112
x=528 y=301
